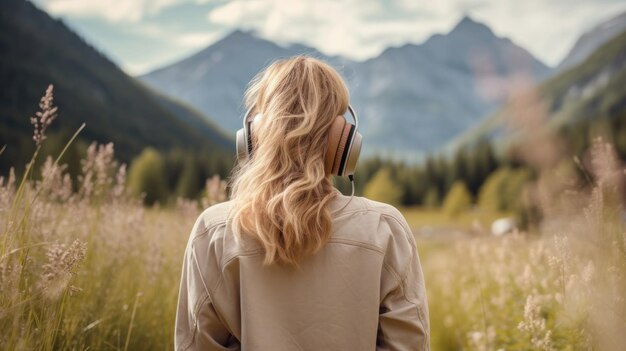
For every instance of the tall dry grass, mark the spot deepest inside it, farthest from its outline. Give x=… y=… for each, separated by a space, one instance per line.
x=94 y=269
x=562 y=287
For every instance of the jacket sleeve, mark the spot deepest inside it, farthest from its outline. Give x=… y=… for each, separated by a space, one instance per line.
x=198 y=326
x=403 y=313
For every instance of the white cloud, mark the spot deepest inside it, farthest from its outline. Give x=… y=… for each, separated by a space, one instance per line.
x=197 y=40
x=547 y=28
x=362 y=28
x=185 y=40
x=137 y=68
x=130 y=11
x=355 y=28
x=239 y=13
x=112 y=11
x=358 y=29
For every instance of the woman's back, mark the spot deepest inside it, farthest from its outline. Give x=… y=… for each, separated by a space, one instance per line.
x=363 y=290
x=289 y=263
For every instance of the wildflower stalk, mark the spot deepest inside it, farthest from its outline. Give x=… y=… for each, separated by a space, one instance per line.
x=583 y=170
x=67 y=145
x=41 y=121
x=132 y=320
x=59 y=319
x=56 y=163
x=482 y=302
x=40 y=308
x=20 y=190
x=18 y=196
x=18 y=249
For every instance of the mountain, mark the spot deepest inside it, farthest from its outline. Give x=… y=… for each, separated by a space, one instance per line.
x=410 y=99
x=215 y=78
x=575 y=101
x=417 y=97
x=593 y=39
x=37 y=50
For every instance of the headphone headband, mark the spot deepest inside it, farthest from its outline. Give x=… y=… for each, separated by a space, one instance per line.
x=342 y=152
x=350 y=109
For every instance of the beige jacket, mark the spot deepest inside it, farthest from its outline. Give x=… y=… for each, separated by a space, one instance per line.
x=363 y=291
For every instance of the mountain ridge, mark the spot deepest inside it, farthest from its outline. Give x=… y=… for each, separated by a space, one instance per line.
x=592 y=39
x=38 y=50
x=579 y=95
x=424 y=93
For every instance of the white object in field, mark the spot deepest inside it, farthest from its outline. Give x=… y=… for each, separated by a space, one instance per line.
x=503 y=226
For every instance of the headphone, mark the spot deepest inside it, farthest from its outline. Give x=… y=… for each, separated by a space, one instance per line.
x=344 y=143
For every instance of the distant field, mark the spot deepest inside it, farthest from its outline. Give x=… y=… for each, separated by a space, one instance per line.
x=431 y=221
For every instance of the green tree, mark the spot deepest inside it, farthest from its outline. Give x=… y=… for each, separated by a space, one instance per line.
x=458 y=199
x=503 y=190
x=514 y=189
x=188 y=183
x=174 y=166
x=432 y=197
x=413 y=182
x=482 y=163
x=364 y=172
x=147 y=176
x=458 y=168
x=383 y=188
x=490 y=194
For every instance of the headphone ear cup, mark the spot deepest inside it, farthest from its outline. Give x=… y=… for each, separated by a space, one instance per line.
x=242 y=145
x=334 y=138
x=344 y=148
x=244 y=140
x=353 y=154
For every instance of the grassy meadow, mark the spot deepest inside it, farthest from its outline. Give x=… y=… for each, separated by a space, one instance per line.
x=85 y=265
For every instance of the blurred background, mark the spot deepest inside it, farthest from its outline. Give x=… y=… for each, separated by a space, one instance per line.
x=497 y=127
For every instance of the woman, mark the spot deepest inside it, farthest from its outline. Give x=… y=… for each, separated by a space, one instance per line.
x=290 y=263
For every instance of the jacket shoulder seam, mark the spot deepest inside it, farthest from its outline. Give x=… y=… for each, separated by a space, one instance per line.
x=420 y=313
x=362 y=244
x=210 y=226
x=199 y=304
x=418 y=308
x=226 y=261
x=249 y=252
x=394 y=274
x=407 y=232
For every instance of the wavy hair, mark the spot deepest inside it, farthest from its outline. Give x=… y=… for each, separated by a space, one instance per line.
x=280 y=195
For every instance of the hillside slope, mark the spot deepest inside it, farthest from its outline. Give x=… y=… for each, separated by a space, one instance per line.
x=592 y=40
x=214 y=79
x=36 y=50
x=586 y=93
x=418 y=97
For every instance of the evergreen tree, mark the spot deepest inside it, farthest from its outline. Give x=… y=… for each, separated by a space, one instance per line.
x=432 y=197
x=174 y=165
x=513 y=190
x=458 y=199
x=146 y=176
x=188 y=183
x=490 y=195
x=458 y=169
x=383 y=188
x=482 y=163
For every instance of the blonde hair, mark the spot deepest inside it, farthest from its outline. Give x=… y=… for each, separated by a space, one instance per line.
x=280 y=194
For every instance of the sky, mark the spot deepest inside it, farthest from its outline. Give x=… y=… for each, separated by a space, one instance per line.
x=142 y=35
